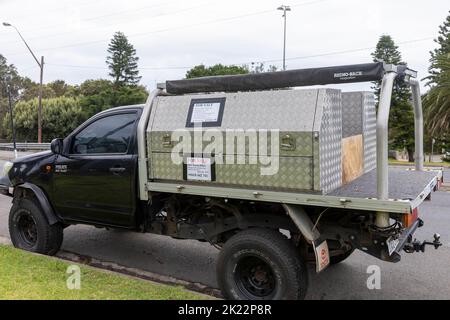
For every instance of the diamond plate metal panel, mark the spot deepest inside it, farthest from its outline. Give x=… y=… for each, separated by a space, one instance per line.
x=352 y=114
x=289 y=110
x=330 y=140
x=369 y=131
x=302 y=140
x=316 y=162
x=359 y=116
x=294 y=173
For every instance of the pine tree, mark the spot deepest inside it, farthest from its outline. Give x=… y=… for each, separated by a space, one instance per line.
x=436 y=102
x=122 y=61
x=443 y=40
x=401 y=118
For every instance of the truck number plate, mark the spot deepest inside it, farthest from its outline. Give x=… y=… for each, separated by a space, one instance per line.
x=392 y=245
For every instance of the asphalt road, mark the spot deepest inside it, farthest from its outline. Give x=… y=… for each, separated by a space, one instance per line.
x=417 y=276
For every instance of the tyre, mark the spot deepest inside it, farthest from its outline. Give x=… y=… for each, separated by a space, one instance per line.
x=339 y=258
x=261 y=264
x=29 y=229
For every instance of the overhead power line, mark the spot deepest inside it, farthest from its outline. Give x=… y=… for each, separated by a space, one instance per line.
x=52 y=9
x=117 y=13
x=103 y=68
x=330 y=53
x=345 y=51
x=87 y=43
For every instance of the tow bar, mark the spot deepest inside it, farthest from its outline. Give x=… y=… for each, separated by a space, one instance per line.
x=416 y=246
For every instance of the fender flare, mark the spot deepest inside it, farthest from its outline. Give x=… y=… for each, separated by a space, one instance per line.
x=42 y=200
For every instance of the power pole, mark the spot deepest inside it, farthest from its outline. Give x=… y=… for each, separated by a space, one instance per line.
x=284 y=9
x=433 y=141
x=6 y=83
x=13 y=129
x=41 y=67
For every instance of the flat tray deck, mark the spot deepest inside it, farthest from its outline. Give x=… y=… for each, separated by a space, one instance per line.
x=407 y=190
x=404 y=184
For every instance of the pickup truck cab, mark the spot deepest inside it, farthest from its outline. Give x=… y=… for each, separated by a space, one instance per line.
x=89 y=177
x=100 y=175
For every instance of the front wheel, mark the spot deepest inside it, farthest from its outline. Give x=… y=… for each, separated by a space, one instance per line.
x=29 y=229
x=261 y=264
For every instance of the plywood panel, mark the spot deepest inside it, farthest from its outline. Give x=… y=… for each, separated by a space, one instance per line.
x=352 y=158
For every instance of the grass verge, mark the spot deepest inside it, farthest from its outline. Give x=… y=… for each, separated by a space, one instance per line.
x=426 y=163
x=24 y=275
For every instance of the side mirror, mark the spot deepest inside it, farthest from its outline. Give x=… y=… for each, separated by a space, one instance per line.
x=57 y=146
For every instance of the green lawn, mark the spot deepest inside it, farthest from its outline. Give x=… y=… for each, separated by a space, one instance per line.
x=426 y=163
x=24 y=275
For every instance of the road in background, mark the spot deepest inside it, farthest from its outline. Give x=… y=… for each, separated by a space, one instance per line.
x=417 y=276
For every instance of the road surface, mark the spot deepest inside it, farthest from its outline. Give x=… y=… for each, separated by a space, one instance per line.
x=417 y=276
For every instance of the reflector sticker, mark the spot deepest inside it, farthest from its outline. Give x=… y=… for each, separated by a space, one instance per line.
x=322 y=256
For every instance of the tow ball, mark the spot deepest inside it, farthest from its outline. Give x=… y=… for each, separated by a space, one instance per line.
x=416 y=246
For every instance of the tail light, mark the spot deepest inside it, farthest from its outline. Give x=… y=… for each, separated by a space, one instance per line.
x=409 y=219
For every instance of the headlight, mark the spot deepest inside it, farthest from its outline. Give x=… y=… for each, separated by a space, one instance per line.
x=7 y=166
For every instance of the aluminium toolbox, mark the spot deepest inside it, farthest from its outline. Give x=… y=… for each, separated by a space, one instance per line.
x=310 y=137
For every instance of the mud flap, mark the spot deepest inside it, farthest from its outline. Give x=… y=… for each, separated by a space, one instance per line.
x=322 y=254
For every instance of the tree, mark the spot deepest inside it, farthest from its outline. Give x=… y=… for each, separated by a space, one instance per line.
x=8 y=74
x=443 y=40
x=59 y=87
x=215 y=70
x=261 y=67
x=122 y=61
x=92 y=87
x=437 y=101
x=59 y=117
x=401 y=118
x=30 y=90
x=98 y=95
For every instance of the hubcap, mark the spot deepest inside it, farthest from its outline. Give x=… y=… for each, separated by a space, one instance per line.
x=27 y=228
x=255 y=278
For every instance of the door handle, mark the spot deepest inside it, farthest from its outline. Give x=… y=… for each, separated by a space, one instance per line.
x=116 y=170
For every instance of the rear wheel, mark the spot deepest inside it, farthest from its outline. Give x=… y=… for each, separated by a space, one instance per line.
x=261 y=264
x=29 y=229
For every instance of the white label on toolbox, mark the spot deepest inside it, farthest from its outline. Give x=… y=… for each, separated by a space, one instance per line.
x=392 y=245
x=198 y=169
x=322 y=256
x=205 y=112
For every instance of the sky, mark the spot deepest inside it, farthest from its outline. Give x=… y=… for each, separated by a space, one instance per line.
x=171 y=36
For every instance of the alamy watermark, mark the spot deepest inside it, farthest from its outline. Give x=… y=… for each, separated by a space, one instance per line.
x=230 y=146
x=374 y=280
x=74 y=279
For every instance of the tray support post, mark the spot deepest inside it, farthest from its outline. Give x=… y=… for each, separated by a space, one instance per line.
x=382 y=218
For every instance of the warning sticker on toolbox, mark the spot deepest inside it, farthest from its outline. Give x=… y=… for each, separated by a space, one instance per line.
x=198 y=169
x=205 y=112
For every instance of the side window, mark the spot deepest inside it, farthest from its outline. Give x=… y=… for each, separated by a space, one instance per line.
x=111 y=134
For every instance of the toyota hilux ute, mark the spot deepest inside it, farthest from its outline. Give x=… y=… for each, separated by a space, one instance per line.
x=323 y=190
